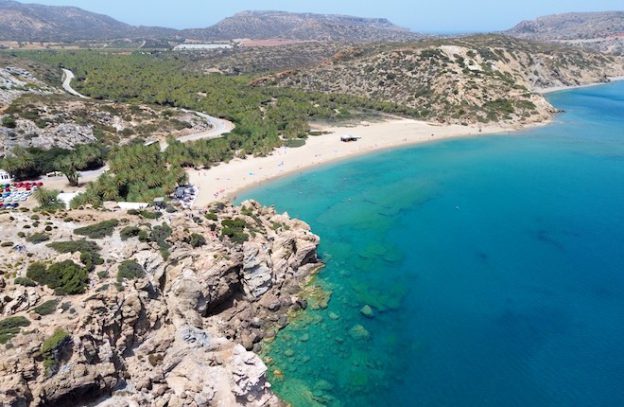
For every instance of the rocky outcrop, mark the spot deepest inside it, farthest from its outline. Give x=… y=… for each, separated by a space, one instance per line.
x=27 y=135
x=16 y=81
x=183 y=335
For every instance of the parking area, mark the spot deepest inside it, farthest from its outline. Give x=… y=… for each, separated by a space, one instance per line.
x=17 y=193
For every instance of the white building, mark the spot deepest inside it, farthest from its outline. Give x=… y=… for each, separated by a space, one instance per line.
x=5 y=177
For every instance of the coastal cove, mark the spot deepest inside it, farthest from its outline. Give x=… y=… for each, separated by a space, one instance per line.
x=475 y=271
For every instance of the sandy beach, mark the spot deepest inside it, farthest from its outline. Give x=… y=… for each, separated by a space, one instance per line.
x=226 y=180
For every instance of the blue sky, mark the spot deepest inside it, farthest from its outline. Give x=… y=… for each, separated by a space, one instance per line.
x=424 y=16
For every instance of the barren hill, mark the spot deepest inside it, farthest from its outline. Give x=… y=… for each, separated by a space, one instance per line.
x=302 y=26
x=35 y=22
x=603 y=31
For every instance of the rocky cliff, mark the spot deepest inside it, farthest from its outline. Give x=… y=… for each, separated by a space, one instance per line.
x=170 y=312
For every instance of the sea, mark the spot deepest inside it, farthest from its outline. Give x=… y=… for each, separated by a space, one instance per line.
x=484 y=271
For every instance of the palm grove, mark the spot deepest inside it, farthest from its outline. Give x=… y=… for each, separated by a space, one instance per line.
x=265 y=118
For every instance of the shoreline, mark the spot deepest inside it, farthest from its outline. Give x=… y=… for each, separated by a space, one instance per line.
x=226 y=180
x=554 y=89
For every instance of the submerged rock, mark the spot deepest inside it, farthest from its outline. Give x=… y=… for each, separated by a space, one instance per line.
x=367 y=311
x=359 y=332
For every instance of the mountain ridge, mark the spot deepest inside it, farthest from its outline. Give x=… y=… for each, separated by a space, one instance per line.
x=41 y=23
x=598 y=31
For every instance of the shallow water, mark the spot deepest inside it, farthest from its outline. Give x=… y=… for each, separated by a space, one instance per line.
x=494 y=268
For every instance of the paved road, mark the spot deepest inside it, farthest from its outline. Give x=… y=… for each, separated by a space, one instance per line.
x=68 y=77
x=218 y=128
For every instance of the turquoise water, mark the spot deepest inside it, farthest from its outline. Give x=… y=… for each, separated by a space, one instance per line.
x=494 y=267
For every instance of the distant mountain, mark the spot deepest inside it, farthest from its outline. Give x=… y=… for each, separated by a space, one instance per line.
x=302 y=26
x=34 y=22
x=601 y=31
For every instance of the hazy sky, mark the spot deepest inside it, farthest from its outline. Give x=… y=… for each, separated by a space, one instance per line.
x=425 y=16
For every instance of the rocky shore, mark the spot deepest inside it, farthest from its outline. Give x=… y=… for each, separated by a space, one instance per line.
x=172 y=313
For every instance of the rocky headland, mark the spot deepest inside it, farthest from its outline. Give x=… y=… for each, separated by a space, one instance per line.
x=141 y=308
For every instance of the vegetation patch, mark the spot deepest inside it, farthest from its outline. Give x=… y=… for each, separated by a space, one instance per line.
x=24 y=281
x=37 y=238
x=10 y=327
x=89 y=251
x=51 y=350
x=197 y=240
x=65 y=278
x=130 y=270
x=129 y=232
x=98 y=230
x=47 y=308
x=234 y=229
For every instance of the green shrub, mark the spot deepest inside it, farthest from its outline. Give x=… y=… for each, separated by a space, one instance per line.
x=65 y=278
x=129 y=270
x=74 y=246
x=7 y=244
x=234 y=230
x=150 y=214
x=48 y=200
x=10 y=327
x=129 y=232
x=9 y=122
x=197 y=240
x=99 y=230
x=51 y=348
x=24 y=281
x=37 y=238
x=47 y=308
x=211 y=216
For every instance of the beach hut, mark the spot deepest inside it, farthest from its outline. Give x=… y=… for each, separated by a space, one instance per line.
x=5 y=177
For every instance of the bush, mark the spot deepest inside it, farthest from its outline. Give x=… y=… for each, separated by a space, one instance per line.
x=129 y=232
x=9 y=122
x=24 y=281
x=37 y=238
x=48 y=200
x=197 y=240
x=7 y=244
x=234 y=229
x=74 y=246
x=47 y=308
x=51 y=349
x=10 y=327
x=65 y=278
x=99 y=230
x=129 y=270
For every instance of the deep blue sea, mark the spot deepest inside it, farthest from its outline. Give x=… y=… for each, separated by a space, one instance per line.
x=494 y=268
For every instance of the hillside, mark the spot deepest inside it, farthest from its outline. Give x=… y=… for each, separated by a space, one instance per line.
x=602 y=31
x=34 y=22
x=301 y=26
x=468 y=80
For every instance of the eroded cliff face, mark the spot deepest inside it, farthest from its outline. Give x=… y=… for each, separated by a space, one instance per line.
x=183 y=334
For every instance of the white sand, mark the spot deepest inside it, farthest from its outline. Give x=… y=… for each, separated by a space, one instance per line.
x=226 y=180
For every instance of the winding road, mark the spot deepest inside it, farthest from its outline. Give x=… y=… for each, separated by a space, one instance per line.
x=218 y=127
x=68 y=77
